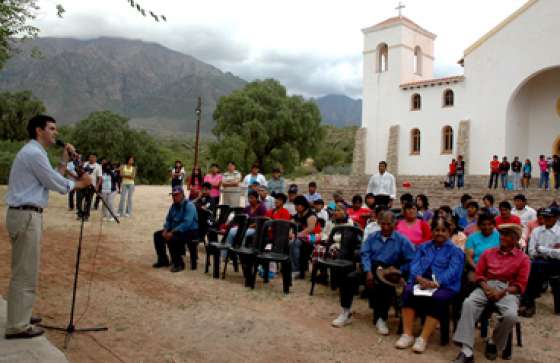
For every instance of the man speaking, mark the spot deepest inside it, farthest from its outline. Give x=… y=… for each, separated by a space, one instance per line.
x=31 y=178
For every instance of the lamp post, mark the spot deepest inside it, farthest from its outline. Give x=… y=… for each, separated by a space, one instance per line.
x=198 y=112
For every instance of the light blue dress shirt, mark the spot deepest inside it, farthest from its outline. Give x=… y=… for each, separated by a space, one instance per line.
x=32 y=176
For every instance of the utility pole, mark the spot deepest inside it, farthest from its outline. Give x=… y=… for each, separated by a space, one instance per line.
x=198 y=112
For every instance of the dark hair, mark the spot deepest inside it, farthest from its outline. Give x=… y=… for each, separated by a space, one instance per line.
x=473 y=203
x=482 y=217
x=312 y=184
x=520 y=197
x=357 y=199
x=276 y=170
x=380 y=209
x=281 y=196
x=406 y=198
x=465 y=197
x=255 y=165
x=489 y=197
x=127 y=158
x=301 y=200
x=253 y=193
x=319 y=201
x=39 y=121
x=197 y=177
x=408 y=206
x=232 y=163
x=215 y=165
x=383 y=162
x=437 y=221
x=505 y=204
x=370 y=195
x=207 y=185
x=424 y=199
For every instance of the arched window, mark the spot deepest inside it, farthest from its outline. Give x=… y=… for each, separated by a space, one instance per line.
x=417 y=60
x=448 y=98
x=415 y=141
x=447 y=140
x=382 y=58
x=416 y=102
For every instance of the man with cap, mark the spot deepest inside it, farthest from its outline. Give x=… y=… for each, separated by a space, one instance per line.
x=501 y=275
x=544 y=250
x=180 y=228
x=292 y=194
x=386 y=250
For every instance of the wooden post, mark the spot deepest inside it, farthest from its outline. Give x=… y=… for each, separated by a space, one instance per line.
x=196 y=140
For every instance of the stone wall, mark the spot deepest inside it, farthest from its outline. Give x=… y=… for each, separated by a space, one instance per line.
x=393 y=150
x=463 y=142
x=359 y=156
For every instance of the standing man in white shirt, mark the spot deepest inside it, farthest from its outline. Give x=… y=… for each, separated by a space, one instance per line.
x=85 y=196
x=31 y=178
x=383 y=186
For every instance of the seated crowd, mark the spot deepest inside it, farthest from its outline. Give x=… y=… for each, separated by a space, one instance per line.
x=420 y=261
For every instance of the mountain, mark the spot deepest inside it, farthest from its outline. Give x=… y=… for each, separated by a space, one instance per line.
x=156 y=87
x=340 y=110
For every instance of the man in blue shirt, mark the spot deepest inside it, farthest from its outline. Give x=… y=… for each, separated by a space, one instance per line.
x=180 y=228
x=31 y=178
x=461 y=210
x=381 y=250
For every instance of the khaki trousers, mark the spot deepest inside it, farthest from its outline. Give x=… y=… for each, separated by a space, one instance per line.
x=24 y=228
x=231 y=198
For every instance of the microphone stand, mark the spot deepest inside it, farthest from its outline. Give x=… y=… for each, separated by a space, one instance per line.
x=71 y=328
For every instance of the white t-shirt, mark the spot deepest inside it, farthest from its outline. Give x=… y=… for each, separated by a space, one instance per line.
x=96 y=173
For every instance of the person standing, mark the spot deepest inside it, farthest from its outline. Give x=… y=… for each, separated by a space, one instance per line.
x=215 y=179
x=451 y=174
x=230 y=185
x=543 y=165
x=556 y=170
x=194 y=182
x=254 y=177
x=71 y=170
x=460 y=171
x=85 y=196
x=108 y=189
x=504 y=171
x=383 y=186
x=177 y=175
x=128 y=173
x=276 y=183
x=31 y=178
x=527 y=169
x=516 y=172
x=494 y=172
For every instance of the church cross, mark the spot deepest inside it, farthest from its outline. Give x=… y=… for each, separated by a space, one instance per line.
x=399 y=8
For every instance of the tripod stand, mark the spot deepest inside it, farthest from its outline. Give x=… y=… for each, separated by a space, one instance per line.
x=71 y=328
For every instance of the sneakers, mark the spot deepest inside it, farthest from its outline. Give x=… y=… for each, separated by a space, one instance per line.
x=419 y=345
x=382 y=327
x=343 y=319
x=404 y=342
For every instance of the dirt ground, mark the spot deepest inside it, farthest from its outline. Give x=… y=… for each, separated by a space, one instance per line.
x=156 y=316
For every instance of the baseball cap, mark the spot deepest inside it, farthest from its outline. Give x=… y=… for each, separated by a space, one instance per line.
x=176 y=190
x=293 y=188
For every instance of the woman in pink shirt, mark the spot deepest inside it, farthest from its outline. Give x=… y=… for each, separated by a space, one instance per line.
x=416 y=230
x=215 y=180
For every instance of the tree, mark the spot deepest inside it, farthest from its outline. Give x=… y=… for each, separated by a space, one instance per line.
x=14 y=27
x=261 y=123
x=109 y=136
x=16 y=109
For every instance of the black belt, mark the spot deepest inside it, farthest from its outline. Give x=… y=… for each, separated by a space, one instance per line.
x=28 y=207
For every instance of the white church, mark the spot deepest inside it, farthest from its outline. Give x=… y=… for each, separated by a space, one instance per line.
x=507 y=102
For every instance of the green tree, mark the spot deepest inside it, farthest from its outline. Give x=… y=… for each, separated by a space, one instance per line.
x=14 y=27
x=109 y=136
x=336 y=152
x=261 y=123
x=15 y=111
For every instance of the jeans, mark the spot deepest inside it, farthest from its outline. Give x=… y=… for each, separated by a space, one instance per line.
x=109 y=197
x=126 y=195
x=231 y=235
x=451 y=181
x=493 y=180
x=176 y=246
x=541 y=271
x=516 y=180
x=504 y=180
x=543 y=182
x=460 y=181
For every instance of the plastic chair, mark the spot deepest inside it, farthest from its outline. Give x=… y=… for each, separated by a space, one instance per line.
x=219 y=219
x=484 y=322
x=246 y=248
x=345 y=261
x=215 y=248
x=276 y=235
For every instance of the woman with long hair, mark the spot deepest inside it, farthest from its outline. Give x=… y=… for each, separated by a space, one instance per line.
x=194 y=182
x=128 y=173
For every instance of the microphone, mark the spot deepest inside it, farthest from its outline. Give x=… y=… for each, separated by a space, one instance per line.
x=60 y=143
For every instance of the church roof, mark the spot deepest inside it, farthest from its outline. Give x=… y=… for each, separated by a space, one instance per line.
x=399 y=20
x=433 y=82
x=500 y=26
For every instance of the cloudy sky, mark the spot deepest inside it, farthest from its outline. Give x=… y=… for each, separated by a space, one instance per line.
x=313 y=47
